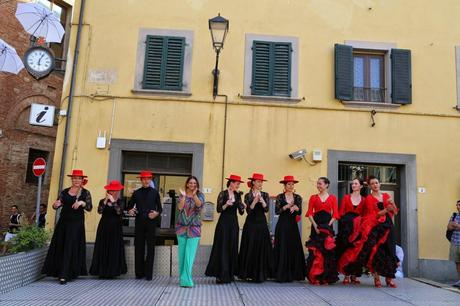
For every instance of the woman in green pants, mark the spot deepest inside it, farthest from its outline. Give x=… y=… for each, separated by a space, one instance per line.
x=188 y=228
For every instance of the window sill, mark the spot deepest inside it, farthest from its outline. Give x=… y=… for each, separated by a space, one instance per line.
x=271 y=98
x=161 y=92
x=370 y=104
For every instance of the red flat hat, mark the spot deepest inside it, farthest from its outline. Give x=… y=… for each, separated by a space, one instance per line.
x=257 y=176
x=146 y=174
x=288 y=178
x=77 y=172
x=235 y=178
x=114 y=185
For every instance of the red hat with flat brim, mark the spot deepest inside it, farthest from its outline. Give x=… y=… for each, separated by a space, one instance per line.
x=288 y=179
x=114 y=186
x=235 y=178
x=146 y=174
x=77 y=172
x=257 y=177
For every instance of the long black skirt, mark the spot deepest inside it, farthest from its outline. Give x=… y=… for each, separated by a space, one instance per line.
x=346 y=227
x=288 y=251
x=255 y=260
x=66 y=256
x=223 y=262
x=109 y=250
x=321 y=261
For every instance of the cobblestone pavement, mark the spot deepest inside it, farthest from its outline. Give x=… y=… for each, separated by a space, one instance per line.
x=165 y=291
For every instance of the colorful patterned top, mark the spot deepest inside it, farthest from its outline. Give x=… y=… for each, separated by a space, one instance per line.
x=189 y=218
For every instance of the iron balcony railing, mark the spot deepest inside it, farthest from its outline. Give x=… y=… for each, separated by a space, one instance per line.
x=369 y=94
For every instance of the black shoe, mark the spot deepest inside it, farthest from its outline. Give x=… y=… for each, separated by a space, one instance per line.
x=149 y=278
x=62 y=282
x=139 y=277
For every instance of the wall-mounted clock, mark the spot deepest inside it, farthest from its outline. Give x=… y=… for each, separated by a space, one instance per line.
x=39 y=61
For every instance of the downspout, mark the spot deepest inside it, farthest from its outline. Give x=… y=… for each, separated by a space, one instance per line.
x=224 y=141
x=71 y=96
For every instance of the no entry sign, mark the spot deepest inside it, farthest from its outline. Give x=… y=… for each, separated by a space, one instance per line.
x=39 y=166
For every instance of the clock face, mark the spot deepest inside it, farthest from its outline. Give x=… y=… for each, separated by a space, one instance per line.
x=39 y=61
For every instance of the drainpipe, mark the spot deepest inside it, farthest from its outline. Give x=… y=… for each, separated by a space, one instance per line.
x=71 y=96
x=224 y=141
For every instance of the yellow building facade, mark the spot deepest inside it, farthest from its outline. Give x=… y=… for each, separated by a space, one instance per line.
x=399 y=120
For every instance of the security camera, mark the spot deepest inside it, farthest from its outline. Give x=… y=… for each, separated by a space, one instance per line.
x=298 y=155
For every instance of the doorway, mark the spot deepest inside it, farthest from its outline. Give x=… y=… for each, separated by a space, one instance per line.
x=406 y=183
x=170 y=173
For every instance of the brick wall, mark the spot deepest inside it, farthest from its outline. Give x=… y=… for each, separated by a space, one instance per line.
x=17 y=92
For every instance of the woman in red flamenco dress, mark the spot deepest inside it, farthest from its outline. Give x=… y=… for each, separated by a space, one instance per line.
x=373 y=239
x=322 y=212
x=350 y=211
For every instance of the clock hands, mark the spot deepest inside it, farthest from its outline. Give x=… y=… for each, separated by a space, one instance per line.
x=40 y=59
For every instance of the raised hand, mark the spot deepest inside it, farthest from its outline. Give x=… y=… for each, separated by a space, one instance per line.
x=110 y=198
x=132 y=212
x=57 y=204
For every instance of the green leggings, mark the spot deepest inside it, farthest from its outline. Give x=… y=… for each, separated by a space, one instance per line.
x=187 y=250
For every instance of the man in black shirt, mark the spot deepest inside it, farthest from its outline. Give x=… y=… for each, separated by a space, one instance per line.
x=145 y=204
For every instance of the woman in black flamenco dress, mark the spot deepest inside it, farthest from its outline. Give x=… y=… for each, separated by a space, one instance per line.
x=255 y=259
x=66 y=258
x=223 y=261
x=288 y=250
x=109 y=251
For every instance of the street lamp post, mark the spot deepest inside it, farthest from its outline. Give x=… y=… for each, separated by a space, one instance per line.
x=219 y=28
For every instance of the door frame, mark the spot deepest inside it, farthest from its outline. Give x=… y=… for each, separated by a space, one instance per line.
x=408 y=195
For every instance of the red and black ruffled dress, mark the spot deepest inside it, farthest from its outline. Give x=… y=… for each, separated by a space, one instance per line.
x=373 y=242
x=321 y=261
x=348 y=214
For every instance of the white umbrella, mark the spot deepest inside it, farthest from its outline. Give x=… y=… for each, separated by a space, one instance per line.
x=9 y=59
x=40 y=22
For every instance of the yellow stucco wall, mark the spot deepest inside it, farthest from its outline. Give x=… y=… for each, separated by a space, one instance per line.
x=260 y=134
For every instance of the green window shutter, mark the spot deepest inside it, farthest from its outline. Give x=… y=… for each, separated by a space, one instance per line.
x=401 y=76
x=261 y=76
x=174 y=63
x=164 y=63
x=271 y=69
x=344 y=78
x=153 y=62
x=282 y=69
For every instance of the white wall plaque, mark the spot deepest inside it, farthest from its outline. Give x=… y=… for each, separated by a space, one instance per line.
x=41 y=114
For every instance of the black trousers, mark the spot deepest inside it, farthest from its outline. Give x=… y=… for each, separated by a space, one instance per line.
x=145 y=233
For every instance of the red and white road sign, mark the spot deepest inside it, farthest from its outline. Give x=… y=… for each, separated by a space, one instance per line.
x=39 y=166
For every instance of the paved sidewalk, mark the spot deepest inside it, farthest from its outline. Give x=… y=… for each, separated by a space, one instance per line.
x=165 y=291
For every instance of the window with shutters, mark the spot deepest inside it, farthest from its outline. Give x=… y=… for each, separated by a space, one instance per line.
x=372 y=73
x=163 y=62
x=163 y=66
x=271 y=68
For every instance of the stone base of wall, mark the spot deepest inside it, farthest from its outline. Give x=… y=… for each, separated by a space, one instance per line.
x=443 y=271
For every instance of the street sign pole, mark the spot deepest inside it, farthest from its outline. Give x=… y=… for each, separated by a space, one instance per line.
x=39 y=192
x=38 y=169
